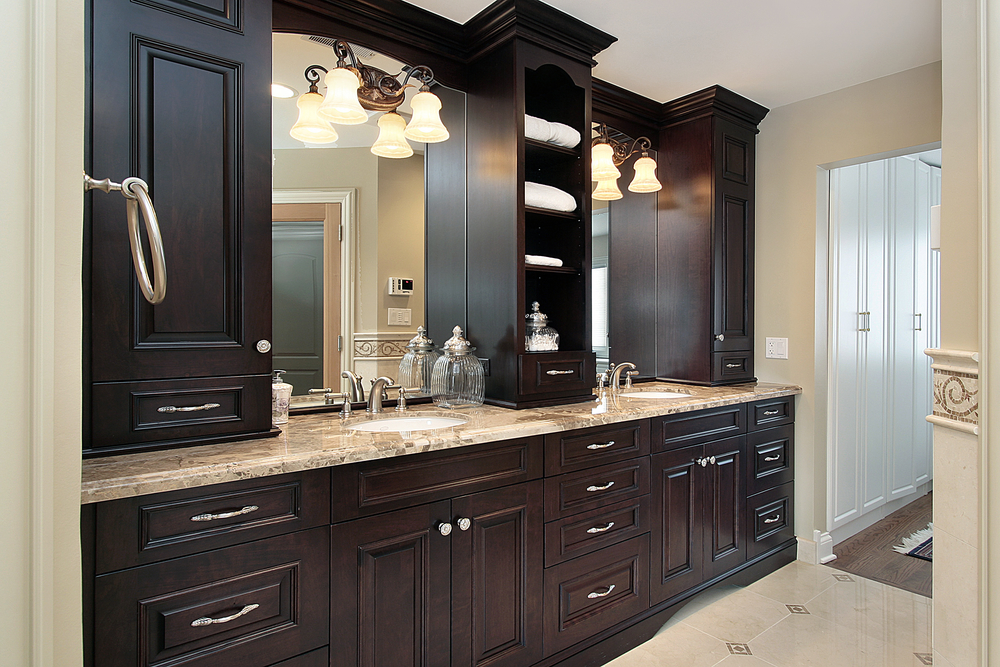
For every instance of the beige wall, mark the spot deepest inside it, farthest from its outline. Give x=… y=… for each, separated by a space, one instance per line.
x=887 y=114
x=41 y=209
x=390 y=221
x=401 y=236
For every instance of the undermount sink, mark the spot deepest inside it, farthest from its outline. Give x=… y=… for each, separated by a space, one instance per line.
x=654 y=394
x=405 y=424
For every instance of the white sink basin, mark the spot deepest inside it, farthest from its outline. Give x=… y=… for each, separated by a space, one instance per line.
x=654 y=394
x=404 y=424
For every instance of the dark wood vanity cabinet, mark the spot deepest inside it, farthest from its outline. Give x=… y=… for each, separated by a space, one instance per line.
x=705 y=238
x=178 y=94
x=516 y=553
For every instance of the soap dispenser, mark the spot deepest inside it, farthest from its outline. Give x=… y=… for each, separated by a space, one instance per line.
x=281 y=395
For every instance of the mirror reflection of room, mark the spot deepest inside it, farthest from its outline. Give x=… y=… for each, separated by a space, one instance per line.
x=344 y=222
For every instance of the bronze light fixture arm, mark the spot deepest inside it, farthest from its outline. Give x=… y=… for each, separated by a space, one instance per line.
x=623 y=150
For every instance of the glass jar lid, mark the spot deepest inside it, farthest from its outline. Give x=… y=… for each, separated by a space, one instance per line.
x=536 y=319
x=457 y=344
x=420 y=342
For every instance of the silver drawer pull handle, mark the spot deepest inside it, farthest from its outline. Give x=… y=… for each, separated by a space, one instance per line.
x=733 y=365
x=774 y=519
x=597 y=594
x=601 y=529
x=555 y=372
x=225 y=515
x=770 y=413
x=600 y=488
x=193 y=408
x=772 y=458
x=205 y=620
x=601 y=445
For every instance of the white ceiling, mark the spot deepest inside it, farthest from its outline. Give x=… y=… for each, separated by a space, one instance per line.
x=773 y=51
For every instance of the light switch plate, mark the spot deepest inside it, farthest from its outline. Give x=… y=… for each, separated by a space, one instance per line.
x=775 y=348
x=399 y=317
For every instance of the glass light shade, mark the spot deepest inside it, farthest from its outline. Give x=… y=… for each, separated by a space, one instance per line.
x=310 y=127
x=645 y=176
x=391 y=142
x=607 y=190
x=425 y=125
x=341 y=103
x=602 y=167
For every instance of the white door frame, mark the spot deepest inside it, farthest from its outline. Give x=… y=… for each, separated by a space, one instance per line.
x=348 y=200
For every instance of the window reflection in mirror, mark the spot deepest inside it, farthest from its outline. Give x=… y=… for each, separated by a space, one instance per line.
x=599 y=282
x=344 y=222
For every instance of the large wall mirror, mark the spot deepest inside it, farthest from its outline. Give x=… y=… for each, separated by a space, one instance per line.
x=344 y=221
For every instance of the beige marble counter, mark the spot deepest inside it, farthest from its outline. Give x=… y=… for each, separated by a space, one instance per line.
x=322 y=440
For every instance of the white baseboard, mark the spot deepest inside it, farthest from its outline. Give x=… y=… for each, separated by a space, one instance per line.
x=816 y=551
x=852 y=528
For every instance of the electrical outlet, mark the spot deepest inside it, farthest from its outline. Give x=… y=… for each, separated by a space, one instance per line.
x=399 y=317
x=776 y=348
x=486 y=366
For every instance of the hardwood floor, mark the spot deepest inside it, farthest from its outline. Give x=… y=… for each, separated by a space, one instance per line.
x=870 y=554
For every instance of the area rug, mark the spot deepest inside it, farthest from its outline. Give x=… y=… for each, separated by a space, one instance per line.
x=919 y=544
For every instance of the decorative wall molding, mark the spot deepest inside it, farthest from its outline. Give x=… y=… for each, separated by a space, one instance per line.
x=381 y=344
x=956 y=389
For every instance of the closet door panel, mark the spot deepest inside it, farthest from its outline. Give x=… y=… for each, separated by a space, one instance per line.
x=871 y=390
x=847 y=341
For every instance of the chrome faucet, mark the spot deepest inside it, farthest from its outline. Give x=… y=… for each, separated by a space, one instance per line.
x=616 y=372
x=377 y=392
x=357 y=389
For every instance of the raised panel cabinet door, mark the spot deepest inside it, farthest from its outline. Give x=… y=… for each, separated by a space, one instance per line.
x=725 y=494
x=497 y=563
x=677 y=494
x=390 y=589
x=180 y=99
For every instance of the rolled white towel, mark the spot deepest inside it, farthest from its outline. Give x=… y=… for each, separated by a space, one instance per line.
x=542 y=260
x=563 y=135
x=537 y=128
x=548 y=197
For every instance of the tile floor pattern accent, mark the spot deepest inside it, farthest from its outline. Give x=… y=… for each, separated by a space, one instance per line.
x=802 y=615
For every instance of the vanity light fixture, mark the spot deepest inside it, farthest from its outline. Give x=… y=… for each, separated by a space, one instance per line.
x=353 y=89
x=607 y=154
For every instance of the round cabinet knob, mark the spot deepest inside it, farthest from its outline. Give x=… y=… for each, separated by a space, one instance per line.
x=720 y=337
x=464 y=524
x=263 y=346
x=444 y=528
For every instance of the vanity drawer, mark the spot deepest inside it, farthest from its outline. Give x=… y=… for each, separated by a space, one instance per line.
x=168 y=412
x=776 y=412
x=594 y=488
x=589 y=531
x=732 y=366
x=591 y=593
x=556 y=372
x=586 y=448
x=771 y=453
x=692 y=428
x=377 y=486
x=256 y=603
x=146 y=529
x=770 y=517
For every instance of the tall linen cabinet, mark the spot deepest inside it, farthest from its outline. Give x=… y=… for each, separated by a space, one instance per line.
x=519 y=65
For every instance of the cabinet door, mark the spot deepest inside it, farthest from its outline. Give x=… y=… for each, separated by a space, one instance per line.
x=497 y=577
x=180 y=100
x=677 y=493
x=390 y=591
x=725 y=494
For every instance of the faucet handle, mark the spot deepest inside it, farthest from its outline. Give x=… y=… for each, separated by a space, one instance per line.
x=628 y=378
x=403 y=391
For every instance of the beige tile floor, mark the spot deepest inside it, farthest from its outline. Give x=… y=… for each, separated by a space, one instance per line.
x=799 y=616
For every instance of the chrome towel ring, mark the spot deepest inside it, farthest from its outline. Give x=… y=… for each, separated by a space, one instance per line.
x=136 y=194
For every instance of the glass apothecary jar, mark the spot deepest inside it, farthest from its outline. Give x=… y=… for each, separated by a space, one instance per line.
x=417 y=365
x=538 y=335
x=458 y=380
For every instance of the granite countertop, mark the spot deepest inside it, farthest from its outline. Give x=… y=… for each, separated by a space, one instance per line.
x=320 y=440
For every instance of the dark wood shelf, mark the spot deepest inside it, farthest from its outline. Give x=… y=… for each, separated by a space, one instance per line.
x=540 y=154
x=564 y=215
x=551 y=269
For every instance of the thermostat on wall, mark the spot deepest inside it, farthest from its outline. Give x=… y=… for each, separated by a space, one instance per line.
x=401 y=286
